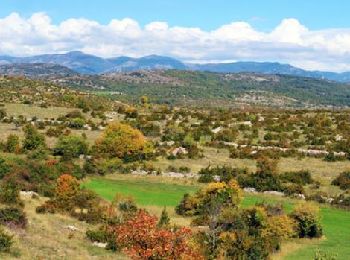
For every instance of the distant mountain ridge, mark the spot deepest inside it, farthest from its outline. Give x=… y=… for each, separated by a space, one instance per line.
x=90 y=64
x=36 y=70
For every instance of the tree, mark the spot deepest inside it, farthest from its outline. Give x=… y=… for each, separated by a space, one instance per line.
x=32 y=138
x=141 y=238
x=66 y=189
x=164 y=219
x=121 y=141
x=71 y=146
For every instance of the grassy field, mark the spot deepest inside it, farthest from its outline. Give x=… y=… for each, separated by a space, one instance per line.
x=145 y=193
x=153 y=194
x=47 y=237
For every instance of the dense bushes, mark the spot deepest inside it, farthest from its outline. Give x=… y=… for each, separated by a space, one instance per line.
x=71 y=146
x=343 y=181
x=236 y=233
x=70 y=198
x=300 y=177
x=13 y=216
x=224 y=174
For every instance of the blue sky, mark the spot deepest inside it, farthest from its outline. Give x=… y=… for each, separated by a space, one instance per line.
x=206 y=14
x=311 y=34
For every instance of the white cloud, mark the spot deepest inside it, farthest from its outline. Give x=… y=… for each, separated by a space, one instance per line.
x=290 y=42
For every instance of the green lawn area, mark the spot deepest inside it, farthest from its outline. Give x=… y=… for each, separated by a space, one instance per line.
x=336 y=222
x=145 y=193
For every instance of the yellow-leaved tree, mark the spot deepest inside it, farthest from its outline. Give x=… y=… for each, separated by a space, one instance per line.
x=122 y=141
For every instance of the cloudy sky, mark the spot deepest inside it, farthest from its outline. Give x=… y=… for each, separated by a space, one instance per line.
x=313 y=35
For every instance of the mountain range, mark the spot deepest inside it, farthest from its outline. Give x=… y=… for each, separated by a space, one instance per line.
x=89 y=64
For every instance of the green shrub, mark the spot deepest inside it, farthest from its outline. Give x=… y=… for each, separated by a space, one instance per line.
x=5 y=241
x=300 y=177
x=307 y=219
x=13 y=216
x=343 y=181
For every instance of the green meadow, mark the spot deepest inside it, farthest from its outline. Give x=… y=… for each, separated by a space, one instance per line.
x=336 y=222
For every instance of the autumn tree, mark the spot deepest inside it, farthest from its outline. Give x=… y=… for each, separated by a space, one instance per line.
x=141 y=238
x=122 y=141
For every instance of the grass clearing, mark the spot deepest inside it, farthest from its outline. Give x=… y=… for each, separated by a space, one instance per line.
x=155 y=195
x=145 y=193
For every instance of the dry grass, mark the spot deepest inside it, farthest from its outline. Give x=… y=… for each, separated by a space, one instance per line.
x=47 y=237
x=40 y=112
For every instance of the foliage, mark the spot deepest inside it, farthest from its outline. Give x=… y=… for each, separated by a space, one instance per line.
x=12 y=144
x=32 y=138
x=308 y=223
x=140 y=238
x=13 y=216
x=71 y=146
x=300 y=177
x=122 y=141
x=343 y=181
x=4 y=168
x=6 y=241
x=164 y=219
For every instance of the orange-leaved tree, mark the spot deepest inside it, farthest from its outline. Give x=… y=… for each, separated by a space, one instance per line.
x=141 y=238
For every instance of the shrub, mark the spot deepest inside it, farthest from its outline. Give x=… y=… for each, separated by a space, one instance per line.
x=292 y=188
x=343 y=181
x=9 y=192
x=164 y=219
x=12 y=144
x=32 y=138
x=13 y=216
x=300 y=177
x=5 y=241
x=4 y=168
x=308 y=224
x=71 y=147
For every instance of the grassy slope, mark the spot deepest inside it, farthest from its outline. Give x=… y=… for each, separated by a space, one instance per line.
x=336 y=222
x=47 y=237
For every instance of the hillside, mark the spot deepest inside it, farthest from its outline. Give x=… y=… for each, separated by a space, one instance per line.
x=217 y=89
x=90 y=64
x=36 y=70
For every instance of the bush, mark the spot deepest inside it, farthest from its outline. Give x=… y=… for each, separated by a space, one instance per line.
x=13 y=216
x=32 y=138
x=308 y=224
x=12 y=144
x=71 y=147
x=292 y=188
x=300 y=177
x=4 y=168
x=343 y=181
x=5 y=241
x=224 y=173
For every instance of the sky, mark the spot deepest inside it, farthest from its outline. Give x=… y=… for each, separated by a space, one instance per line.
x=311 y=34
